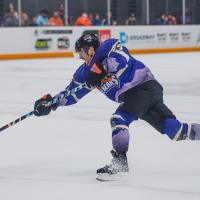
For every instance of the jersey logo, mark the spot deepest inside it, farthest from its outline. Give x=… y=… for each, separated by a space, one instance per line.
x=109 y=83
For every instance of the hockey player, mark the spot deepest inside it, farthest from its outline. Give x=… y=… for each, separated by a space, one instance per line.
x=112 y=70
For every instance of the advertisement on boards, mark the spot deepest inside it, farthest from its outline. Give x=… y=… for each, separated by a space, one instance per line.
x=43 y=43
x=54 y=39
x=103 y=34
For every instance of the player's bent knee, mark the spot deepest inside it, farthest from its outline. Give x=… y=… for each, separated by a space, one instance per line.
x=121 y=119
x=176 y=130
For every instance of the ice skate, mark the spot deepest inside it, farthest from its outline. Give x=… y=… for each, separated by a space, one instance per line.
x=116 y=170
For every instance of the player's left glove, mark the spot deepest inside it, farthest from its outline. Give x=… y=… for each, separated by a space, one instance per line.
x=41 y=108
x=95 y=75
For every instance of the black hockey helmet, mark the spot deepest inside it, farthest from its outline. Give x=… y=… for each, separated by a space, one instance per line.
x=85 y=41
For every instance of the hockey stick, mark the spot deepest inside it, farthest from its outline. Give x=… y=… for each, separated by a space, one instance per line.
x=54 y=101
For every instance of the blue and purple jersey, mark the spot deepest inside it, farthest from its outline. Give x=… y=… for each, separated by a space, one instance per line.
x=123 y=72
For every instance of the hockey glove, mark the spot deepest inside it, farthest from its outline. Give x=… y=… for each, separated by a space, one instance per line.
x=95 y=75
x=40 y=107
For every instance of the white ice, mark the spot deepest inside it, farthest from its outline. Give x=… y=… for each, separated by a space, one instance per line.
x=56 y=157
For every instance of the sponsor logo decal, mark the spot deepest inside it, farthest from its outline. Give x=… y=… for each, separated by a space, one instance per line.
x=139 y=38
x=123 y=38
x=56 y=31
x=174 y=37
x=162 y=37
x=43 y=43
x=63 y=43
x=186 y=36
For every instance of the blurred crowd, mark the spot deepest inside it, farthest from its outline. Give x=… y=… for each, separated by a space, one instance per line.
x=11 y=19
x=170 y=19
x=165 y=19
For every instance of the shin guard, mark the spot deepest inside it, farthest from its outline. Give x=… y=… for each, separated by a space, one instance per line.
x=120 y=122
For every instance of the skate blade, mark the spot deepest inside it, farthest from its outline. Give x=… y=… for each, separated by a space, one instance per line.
x=113 y=177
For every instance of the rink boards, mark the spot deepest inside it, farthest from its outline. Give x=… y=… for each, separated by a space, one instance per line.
x=44 y=42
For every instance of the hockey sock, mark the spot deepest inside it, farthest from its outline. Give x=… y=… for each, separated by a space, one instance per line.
x=120 y=122
x=176 y=130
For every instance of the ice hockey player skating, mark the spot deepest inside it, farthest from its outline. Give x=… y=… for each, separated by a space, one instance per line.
x=112 y=70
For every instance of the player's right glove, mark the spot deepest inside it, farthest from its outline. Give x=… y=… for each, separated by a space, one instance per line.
x=95 y=75
x=41 y=108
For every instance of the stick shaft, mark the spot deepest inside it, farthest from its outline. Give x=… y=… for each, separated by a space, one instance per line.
x=16 y=121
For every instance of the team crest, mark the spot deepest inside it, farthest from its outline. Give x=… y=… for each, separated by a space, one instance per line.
x=108 y=83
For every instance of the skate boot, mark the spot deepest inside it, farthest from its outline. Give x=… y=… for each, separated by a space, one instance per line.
x=118 y=166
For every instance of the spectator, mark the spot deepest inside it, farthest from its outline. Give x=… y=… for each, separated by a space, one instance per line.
x=131 y=20
x=114 y=23
x=42 y=19
x=55 y=20
x=162 y=20
x=83 y=20
x=61 y=11
x=10 y=19
x=96 y=20
x=33 y=21
x=12 y=9
x=6 y=15
x=104 y=21
x=91 y=17
x=24 y=19
x=171 y=20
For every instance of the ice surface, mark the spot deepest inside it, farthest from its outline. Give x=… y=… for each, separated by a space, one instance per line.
x=55 y=157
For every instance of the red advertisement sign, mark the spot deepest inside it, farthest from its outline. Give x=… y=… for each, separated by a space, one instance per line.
x=104 y=35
